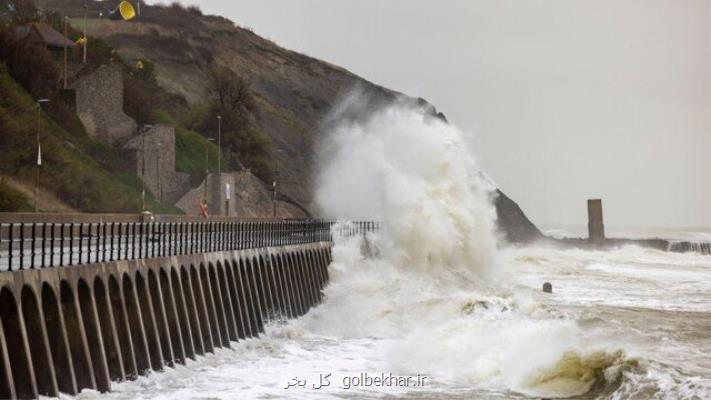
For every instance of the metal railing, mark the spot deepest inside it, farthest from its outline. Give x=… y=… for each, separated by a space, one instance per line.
x=42 y=245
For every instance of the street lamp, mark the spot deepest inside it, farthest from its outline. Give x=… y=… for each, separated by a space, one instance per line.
x=143 y=129
x=159 y=190
x=207 y=167
x=274 y=183
x=219 y=144
x=39 y=150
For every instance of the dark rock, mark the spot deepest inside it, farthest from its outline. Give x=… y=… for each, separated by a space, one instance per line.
x=512 y=223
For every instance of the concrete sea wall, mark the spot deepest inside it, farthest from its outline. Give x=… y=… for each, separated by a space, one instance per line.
x=69 y=328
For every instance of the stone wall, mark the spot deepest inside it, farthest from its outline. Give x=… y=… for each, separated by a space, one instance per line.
x=159 y=175
x=99 y=102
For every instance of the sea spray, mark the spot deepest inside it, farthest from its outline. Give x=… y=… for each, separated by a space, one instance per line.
x=414 y=172
x=436 y=294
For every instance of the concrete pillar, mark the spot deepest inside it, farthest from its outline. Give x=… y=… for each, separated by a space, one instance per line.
x=123 y=329
x=201 y=310
x=87 y=306
x=192 y=311
x=43 y=364
x=218 y=305
x=7 y=384
x=228 y=307
x=250 y=327
x=210 y=306
x=172 y=317
x=252 y=295
x=596 y=229
x=288 y=298
x=183 y=318
x=237 y=301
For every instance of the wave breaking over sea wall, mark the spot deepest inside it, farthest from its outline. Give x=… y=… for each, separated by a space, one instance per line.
x=437 y=292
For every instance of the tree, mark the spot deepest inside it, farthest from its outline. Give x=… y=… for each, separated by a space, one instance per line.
x=234 y=101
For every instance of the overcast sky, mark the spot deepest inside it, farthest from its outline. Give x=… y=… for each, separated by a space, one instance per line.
x=562 y=100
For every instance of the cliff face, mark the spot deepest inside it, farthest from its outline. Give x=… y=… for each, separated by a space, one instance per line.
x=293 y=92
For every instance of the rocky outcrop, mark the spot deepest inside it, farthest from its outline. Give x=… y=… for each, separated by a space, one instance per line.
x=512 y=223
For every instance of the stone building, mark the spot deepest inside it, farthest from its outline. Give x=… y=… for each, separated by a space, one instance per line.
x=99 y=104
x=155 y=149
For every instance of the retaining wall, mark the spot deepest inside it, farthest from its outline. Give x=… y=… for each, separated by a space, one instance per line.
x=70 y=328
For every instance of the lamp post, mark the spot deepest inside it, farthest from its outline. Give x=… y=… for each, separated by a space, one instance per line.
x=207 y=167
x=159 y=189
x=143 y=129
x=86 y=40
x=65 y=52
x=274 y=183
x=39 y=151
x=219 y=144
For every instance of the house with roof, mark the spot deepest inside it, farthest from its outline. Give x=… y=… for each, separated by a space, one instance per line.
x=43 y=34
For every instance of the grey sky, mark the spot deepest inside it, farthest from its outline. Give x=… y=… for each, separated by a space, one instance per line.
x=562 y=100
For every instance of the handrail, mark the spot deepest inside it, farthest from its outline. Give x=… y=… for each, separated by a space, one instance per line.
x=49 y=244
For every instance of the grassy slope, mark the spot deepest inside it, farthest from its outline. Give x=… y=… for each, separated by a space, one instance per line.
x=190 y=152
x=12 y=200
x=76 y=168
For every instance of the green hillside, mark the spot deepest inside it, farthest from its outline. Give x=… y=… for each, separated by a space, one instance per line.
x=82 y=172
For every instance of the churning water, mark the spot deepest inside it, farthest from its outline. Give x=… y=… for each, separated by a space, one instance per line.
x=433 y=299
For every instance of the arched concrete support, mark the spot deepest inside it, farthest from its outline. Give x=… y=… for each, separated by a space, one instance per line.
x=7 y=384
x=192 y=312
x=243 y=329
x=149 y=323
x=210 y=307
x=299 y=282
x=310 y=279
x=263 y=268
x=139 y=338
x=249 y=268
x=218 y=304
x=276 y=287
x=320 y=265
x=65 y=329
x=112 y=348
x=171 y=316
x=93 y=336
x=318 y=273
x=306 y=272
x=42 y=361
x=250 y=301
x=166 y=343
x=247 y=307
x=286 y=289
x=201 y=308
x=182 y=325
x=305 y=280
x=123 y=329
x=293 y=281
x=16 y=338
x=227 y=301
x=58 y=343
x=313 y=277
x=83 y=368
